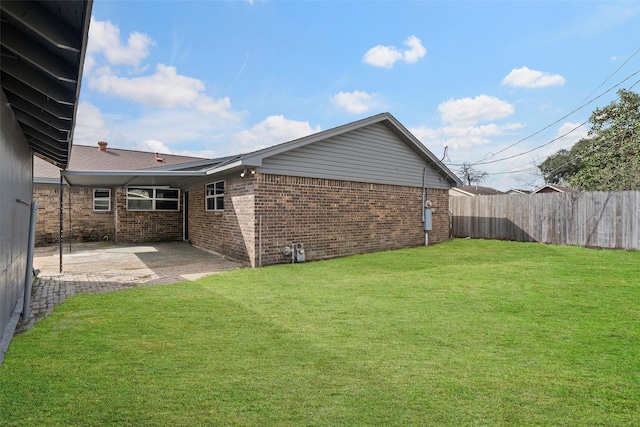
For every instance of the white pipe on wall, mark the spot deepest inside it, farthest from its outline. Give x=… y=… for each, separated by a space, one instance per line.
x=28 y=276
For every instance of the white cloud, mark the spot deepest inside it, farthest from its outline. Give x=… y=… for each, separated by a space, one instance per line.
x=163 y=89
x=180 y=131
x=104 y=37
x=356 y=102
x=174 y=113
x=271 y=131
x=382 y=56
x=90 y=125
x=153 y=146
x=527 y=78
x=469 y=136
x=428 y=136
x=461 y=137
x=219 y=107
x=461 y=129
x=574 y=133
x=469 y=111
x=415 y=51
x=175 y=128
x=387 y=56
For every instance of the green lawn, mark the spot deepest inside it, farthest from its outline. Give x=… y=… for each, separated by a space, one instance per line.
x=468 y=332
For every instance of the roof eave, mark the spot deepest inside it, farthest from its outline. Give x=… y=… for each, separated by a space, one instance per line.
x=129 y=178
x=85 y=42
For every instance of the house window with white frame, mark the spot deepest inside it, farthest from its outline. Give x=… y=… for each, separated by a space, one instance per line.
x=214 y=196
x=153 y=199
x=101 y=199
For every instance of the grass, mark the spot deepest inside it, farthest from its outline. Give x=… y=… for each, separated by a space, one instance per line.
x=469 y=332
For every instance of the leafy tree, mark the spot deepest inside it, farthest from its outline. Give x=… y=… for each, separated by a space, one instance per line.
x=612 y=160
x=471 y=176
x=609 y=160
x=559 y=167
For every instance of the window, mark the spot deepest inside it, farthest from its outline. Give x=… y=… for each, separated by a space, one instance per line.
x=101 y=199
x=214 y=195
x=152 y=199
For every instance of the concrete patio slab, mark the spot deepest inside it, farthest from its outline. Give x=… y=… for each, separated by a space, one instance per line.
x=106 y=267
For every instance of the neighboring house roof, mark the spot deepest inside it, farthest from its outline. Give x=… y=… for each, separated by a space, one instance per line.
x=86 y=158
x=474 y=190
x=518 y=191
x=548 y=188
x=373 y=149
x=43 y=50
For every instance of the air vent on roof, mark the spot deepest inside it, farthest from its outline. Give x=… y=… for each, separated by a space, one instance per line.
x=102 y=146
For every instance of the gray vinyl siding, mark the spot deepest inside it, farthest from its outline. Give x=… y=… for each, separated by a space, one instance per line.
x=370 y=154
x=15 y=183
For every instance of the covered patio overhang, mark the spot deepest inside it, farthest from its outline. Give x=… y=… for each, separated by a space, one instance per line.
x=113 y=179
x=176 y=179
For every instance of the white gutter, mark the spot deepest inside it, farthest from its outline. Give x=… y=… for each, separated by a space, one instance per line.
x=226 y=167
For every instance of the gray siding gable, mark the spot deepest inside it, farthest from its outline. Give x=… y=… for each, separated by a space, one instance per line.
x=373 y=153
x=376 y=149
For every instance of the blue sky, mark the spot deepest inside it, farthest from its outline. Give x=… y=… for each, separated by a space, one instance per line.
x=213 y=78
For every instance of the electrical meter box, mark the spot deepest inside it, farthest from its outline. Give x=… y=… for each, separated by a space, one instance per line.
x=427 y=225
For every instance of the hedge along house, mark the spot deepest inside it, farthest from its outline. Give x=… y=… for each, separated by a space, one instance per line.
x=365 y=186
x=103 y=212
x=43 y=50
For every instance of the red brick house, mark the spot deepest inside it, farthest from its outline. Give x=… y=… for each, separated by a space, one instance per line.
x=366 y=186
x=89 y=213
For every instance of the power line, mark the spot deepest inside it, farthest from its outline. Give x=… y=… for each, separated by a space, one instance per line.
x=612 y=74
x=577 y=156
x=491 y=155
x=530 y=169
x=483 y=162
x=580 y=155
x=535 y=148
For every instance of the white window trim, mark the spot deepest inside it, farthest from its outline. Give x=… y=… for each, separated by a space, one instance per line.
x=153 y=199
x=215 y=196
x=102 y=198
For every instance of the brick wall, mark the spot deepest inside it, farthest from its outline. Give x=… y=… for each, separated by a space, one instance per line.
x=331 y=218
x=231 y=232
x=337 y=218
x=146 y=226
x=85 y=226
x=82 y=224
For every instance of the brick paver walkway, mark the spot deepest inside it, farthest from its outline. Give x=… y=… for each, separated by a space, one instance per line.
x=178 y=263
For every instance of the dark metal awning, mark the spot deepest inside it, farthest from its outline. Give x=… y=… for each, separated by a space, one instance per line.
x=130 y=178
x=43 y=46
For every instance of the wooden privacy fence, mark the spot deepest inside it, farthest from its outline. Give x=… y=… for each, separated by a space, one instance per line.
x=591 y=219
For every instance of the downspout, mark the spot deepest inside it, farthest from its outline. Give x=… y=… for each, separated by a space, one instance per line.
x=424 y=180
x=184 y=213
x=28 y=276
x=260 y=241
x=70 y=226
x=425 y=197
x=61 y=219
x=115 y=215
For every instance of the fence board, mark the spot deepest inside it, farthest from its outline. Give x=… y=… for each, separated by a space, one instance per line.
x=593 y=219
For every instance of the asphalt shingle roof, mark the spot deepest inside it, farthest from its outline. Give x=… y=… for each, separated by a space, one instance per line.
x=114 y=159
x=480 y=191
